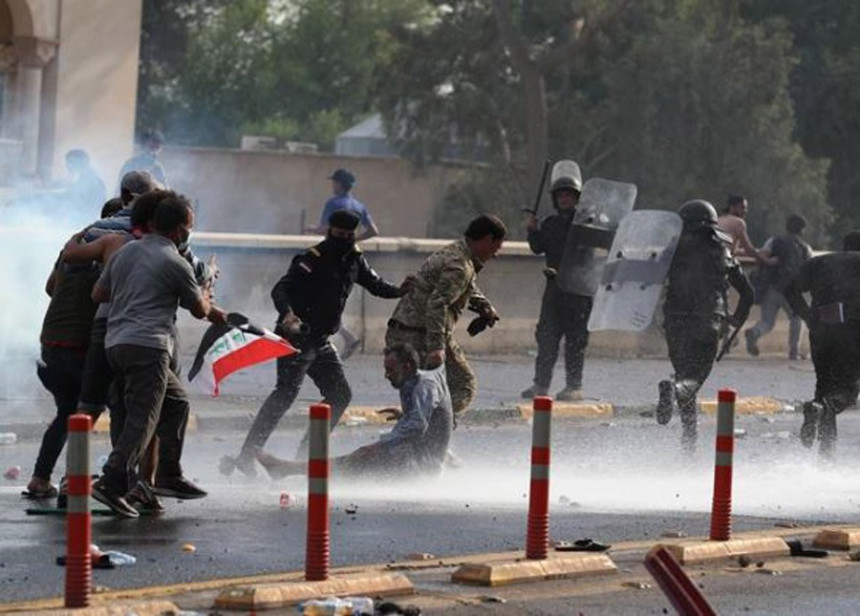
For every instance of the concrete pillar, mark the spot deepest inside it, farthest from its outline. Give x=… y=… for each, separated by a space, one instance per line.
x=32 y=54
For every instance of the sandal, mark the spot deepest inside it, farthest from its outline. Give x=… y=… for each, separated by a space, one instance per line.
x=39 y=492
x=581 y=545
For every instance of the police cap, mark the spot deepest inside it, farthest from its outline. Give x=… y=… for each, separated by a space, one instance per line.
x=344 y=177
x=344 y=219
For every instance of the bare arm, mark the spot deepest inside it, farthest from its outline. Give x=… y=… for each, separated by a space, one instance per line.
x=370 y=231
x=101 y=293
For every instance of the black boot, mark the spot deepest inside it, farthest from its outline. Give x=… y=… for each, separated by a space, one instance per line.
x=809 y=429
x=667 y=404
x=827 y=431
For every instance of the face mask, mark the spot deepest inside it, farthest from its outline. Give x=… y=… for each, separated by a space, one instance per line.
x=341 y=246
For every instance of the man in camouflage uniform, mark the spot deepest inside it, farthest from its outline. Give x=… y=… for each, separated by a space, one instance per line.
x=444 y=286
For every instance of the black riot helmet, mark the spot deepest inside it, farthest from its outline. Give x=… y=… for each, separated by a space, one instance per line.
x=697 y=214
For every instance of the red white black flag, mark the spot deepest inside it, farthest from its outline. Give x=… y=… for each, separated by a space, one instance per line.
x=226 y=348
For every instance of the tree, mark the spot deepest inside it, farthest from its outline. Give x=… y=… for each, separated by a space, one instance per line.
x=825 y=87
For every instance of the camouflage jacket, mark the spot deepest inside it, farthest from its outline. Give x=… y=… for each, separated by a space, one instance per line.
x=445 y=283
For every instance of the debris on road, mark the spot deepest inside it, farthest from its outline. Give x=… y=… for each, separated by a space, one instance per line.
x=420 y=556
x=673 y=534
x=638 y=585
x=188 y=547
x=12 y=473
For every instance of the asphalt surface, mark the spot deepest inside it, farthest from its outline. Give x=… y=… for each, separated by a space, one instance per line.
x=616 y=479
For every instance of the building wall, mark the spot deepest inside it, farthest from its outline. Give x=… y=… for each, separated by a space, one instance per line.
x=278 y=192
x=94 y=89
x=70 y=74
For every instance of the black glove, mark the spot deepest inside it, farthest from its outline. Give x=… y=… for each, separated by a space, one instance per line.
x=479 y=324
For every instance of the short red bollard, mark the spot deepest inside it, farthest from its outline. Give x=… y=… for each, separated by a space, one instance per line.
x=79 y=571
x=721 y=509
x=317 y=550
x=537 y=537
x=685 y=597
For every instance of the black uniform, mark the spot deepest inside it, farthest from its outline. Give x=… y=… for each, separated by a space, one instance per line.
x=561 y=314
x=696 y=313
x=315 y=288
x=833 y=280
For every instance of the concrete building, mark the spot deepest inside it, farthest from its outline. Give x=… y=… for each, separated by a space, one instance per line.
x=68 y=79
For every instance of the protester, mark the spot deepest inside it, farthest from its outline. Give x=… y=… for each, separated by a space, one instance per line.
x=310 y=300
x=86 y=192
x=144 y=282
x=790 y=252
x=733 y=222
x=417 y=444
x=147 y=160
x=696 y=312
x=445 y=285
x=833 y=319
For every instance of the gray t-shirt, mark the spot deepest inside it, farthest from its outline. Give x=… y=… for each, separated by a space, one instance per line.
x=147 y=279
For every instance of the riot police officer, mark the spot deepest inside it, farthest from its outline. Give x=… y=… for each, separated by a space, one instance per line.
x=833 y=281
x=562 y=315
x=696 y=311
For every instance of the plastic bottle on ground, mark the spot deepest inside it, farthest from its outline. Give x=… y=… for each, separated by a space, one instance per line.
x=120 y=559
x=333 y=606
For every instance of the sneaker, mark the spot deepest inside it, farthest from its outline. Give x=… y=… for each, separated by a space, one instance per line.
x=752 y=347
x=116 y=502
x=144 y=500
x=177 y=487
x=569 y=394
x=666 y=405
x=809 y=429
x=534 y=391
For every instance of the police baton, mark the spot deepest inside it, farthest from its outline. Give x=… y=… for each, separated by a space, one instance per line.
x=543 y=175
x=728 y=343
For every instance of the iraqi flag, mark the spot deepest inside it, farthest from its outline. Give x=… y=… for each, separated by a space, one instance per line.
x=235 y=345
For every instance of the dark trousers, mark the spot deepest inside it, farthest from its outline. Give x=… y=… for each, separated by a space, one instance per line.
x=60 y=371
x=325 y=369
x=693 y=344
x=97 y=375
x=562 y=315
x=835 y=351
x=151 y=401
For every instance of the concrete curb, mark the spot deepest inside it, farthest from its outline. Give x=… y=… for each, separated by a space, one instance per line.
x=270 y=596
x=693 y=552
x=139 y=608
x=361 y=415
x=513 y=572
x=837 y=539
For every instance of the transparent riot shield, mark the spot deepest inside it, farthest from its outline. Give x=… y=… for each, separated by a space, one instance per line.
x=635 y=271
x=602 y=205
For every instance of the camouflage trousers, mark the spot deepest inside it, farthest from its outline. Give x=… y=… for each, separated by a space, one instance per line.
x=462 y=382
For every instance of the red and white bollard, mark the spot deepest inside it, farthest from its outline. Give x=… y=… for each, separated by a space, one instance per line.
x=79 y=571
x=721 y=509
x=537 y=537
x=317 y=550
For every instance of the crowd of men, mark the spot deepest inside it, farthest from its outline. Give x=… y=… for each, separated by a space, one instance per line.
x=109 y=337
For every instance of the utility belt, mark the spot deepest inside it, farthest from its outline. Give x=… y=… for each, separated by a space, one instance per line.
x=397 y=325
x=836 y=313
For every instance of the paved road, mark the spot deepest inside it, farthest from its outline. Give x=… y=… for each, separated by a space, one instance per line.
x=617 y=480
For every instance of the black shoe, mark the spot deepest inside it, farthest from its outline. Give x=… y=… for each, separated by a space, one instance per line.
x=117 y=503
x=752 y=347
x=142 y=498
x=666 y=405
x=809 y=429
x=177 y=487
x=534 y=391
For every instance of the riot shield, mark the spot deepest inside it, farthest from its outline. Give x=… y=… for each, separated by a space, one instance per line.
x=635 y=270
x=602 y=205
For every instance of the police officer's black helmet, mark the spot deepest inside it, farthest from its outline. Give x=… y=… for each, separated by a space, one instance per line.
x=696 y=214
